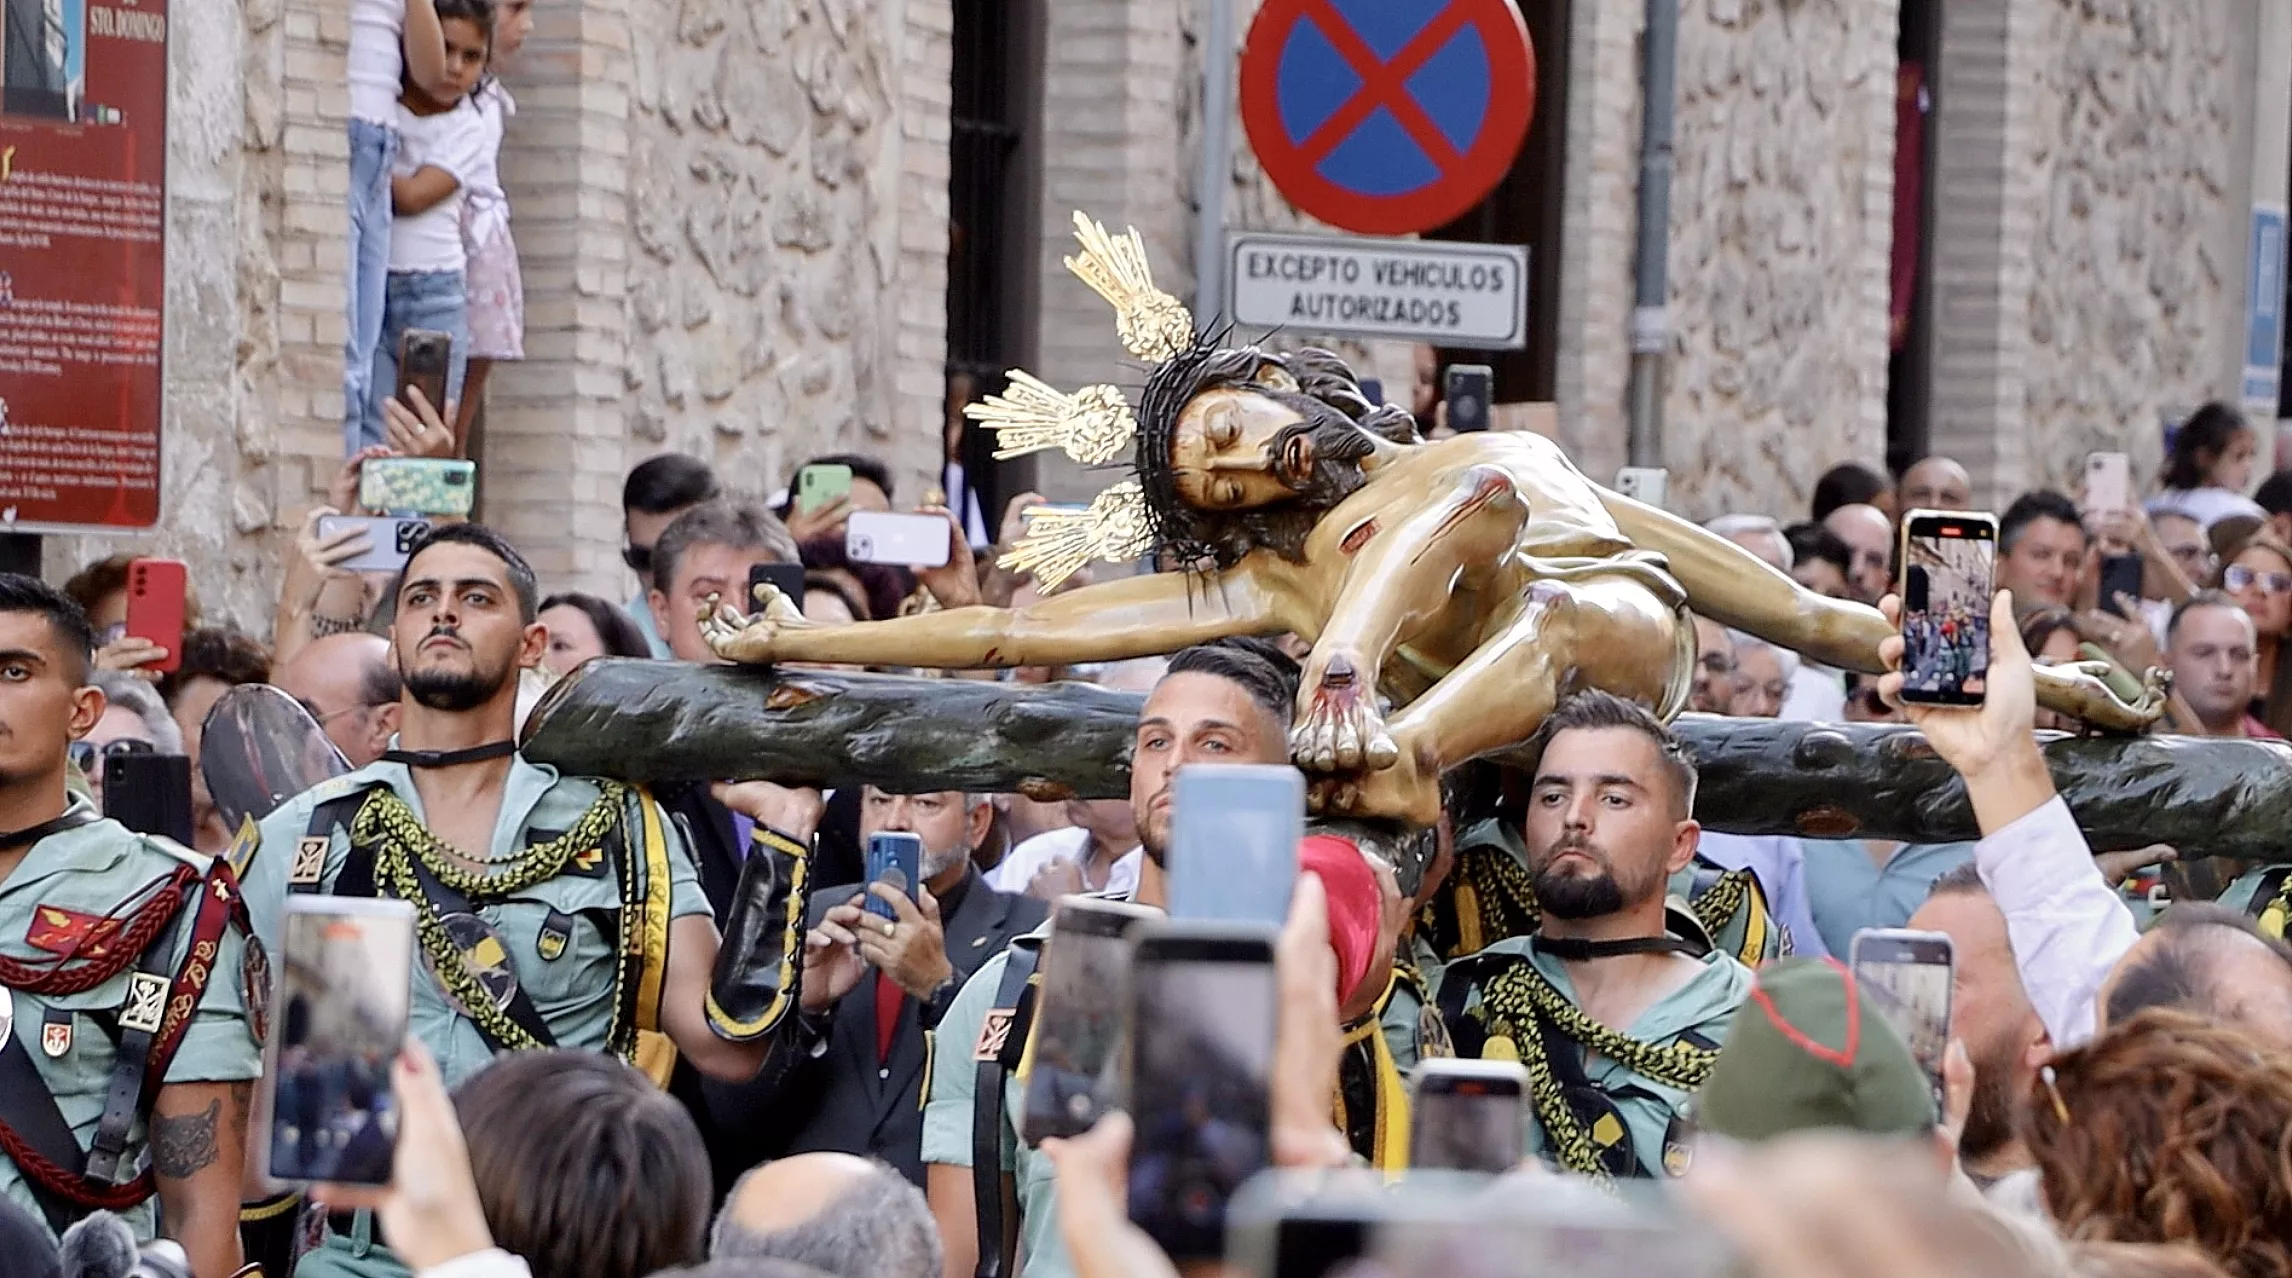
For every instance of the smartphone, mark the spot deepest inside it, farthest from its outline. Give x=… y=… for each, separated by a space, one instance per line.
x=156 y=601
x=1949 y=564
x=895 y=858
x=788 y=579
x=425 y=358
x=1906 y=977
x=1467 y=1115
x=149 y=793
x=1466 y=390
x=2108 y=481
x=1200 y=1061
x=1647 y=485
x=418 y=486
x=1071 y=1078
x=389 y=539
x=1234 y=831
x=882 y=537
x=2120 y=575
x=819 y=487
x=344 y=967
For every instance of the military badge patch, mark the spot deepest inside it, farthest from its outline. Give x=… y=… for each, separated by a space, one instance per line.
x=994 y=1034
x=146 y=1004
x=70 y=933
x=1678 y=1146
x=484 y=955
x=309 y=867
x=56 y=1032
x=241 y=853
x=556 y=932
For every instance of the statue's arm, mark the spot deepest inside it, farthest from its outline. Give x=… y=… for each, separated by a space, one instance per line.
x=1134 y=617
x=1735 y=588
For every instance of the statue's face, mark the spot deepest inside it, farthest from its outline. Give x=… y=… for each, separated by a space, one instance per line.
x=1229 y=452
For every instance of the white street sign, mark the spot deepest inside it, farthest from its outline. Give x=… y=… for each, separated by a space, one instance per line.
x=1435 y=291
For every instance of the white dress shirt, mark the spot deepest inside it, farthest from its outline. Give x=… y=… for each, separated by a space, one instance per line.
x=2068 y=927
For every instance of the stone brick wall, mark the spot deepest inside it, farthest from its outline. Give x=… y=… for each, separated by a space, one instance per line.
x=2137 y=256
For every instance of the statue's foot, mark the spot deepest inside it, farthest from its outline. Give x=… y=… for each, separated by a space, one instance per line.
x=1405 y=790
x=751 y=640
x=1338 y=728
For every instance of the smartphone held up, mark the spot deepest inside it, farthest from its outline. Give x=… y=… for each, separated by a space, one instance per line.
x=1949 y=563
x=1906 y=977
x=339 y=1021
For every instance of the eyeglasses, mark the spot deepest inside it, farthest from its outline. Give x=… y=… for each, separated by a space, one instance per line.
x=2239 y=577
x=639 y=559
x=84 y=754
x=324 y=717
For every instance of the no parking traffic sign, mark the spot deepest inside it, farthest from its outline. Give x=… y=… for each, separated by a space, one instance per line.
x=1387 y=116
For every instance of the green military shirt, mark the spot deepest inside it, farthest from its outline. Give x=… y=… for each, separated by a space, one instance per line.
x=62 y=888
x=1705 y=1007
x=574 y=991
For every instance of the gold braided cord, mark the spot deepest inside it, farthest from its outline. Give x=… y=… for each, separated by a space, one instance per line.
x=398 y=839
x=1519 y=1002
x=387 y=825
x=1719 y=903
x=2278 y=912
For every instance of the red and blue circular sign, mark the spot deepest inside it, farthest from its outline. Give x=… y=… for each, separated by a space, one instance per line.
x=1387 y=117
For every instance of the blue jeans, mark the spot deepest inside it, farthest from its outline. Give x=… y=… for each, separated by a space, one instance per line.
x=372 y=148
x=418 y=299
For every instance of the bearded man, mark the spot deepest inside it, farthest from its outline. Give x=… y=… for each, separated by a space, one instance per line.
x=551 y=911
x=1616 y=1005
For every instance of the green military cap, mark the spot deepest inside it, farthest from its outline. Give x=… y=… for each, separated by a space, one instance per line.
x=1809 y=1051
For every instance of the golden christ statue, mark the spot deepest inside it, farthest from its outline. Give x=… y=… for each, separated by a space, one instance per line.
x=1452 y=591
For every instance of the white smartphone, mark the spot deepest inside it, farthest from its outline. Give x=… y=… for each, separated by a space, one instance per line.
x=388 y=539
x=344 y=989
x=1647 y=485
x=1906 y=977
x=882 y=537
x=2108 y=481
x=1468 y=1115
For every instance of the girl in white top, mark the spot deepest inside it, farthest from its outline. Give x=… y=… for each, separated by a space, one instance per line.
x=493 y=282
x=391 y=41
x=2210 y=468
x=440 y=149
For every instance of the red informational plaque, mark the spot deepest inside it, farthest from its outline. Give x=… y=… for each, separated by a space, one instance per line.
x=83 y=271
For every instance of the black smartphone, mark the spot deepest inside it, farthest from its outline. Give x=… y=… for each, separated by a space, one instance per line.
x=1949 y=576
x=344 y=973
x=895 y=858
x=425 y=359
x=1078 y=1017
x=1468 y=1115
x=149 y=793
x=1466 y=391
x=1202 y=1006
x=1906 y=977
x=2120 y=575
x=788 y=579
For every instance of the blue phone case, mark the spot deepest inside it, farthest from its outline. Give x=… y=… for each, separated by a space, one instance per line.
x=896 y=859
x=1234 y=832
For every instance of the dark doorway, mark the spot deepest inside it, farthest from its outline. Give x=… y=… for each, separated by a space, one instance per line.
x=993 y=193
x=1526 y=209
x=1909 y=315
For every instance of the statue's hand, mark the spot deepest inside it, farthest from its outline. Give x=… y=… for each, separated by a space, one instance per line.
x=751 y=639
x=1338 y=728
x=2103 y=696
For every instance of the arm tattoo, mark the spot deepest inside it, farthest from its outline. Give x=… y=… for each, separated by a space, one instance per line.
x=182 y=1145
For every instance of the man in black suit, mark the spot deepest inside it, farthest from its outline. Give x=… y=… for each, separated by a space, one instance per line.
x=853 y=1067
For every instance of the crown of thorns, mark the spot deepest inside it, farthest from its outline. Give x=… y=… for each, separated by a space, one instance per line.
x=1095 y=424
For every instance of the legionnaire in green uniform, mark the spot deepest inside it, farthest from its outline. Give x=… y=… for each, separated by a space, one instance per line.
x=126 y=1055
x=1616 y=1005
x=551 y=911
x=1224 y=702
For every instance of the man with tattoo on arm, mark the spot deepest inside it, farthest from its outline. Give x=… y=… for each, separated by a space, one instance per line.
x=123 y=1023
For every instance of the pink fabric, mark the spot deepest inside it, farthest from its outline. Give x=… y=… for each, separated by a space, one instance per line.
x=1356 y=907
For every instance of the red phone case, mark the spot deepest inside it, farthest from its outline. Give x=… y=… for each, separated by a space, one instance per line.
x=155 y=590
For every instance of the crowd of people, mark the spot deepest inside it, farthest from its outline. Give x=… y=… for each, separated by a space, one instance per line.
x=836 y=1098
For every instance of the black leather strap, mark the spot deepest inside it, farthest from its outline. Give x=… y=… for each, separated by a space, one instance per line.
x=140 y=1018
x=451 y=758
x=24 y=838
x=1002 y=1044
x=29 y=1110
x=1571 y=949
x=444 y=900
